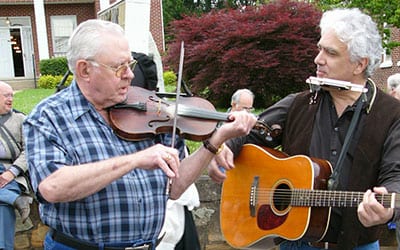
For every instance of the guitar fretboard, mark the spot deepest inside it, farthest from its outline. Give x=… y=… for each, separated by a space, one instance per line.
x=327 y=198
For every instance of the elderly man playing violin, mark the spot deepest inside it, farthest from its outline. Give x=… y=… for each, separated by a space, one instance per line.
x=96 y=189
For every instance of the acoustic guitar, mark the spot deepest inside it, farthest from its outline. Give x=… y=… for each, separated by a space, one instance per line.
x=270 y=197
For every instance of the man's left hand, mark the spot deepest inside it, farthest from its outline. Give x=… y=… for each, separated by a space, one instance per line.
x=371 y=212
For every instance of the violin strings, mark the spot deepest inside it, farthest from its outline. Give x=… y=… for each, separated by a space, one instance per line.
x=193 y=112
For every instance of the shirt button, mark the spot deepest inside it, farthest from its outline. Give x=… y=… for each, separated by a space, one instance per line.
x=336 y=129
x=334 y=152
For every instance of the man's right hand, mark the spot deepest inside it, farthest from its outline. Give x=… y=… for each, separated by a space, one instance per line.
x=6 y=178
x=221 y=163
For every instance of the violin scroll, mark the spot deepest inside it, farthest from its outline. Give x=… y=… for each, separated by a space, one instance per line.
x=270 y=131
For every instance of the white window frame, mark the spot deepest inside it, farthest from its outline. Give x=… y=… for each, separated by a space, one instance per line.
x=60 y=36
x=386 y=60
x=386 y=56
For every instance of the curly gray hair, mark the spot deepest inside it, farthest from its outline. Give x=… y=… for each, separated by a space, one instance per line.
x=358 y=31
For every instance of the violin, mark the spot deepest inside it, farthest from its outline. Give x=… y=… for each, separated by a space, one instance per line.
x=144 y=114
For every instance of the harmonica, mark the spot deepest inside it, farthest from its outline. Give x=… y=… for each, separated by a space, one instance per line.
x=343 y=85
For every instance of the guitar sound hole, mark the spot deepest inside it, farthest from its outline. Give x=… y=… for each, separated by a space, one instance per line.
x=282 y=197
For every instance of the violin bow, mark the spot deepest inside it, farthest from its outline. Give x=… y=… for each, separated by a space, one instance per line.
x=178 y=93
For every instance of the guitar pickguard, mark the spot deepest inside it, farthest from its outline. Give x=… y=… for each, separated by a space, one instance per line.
x=275 y=213
x=267 y=219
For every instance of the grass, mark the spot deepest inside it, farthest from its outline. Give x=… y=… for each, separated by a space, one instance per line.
x=26 y=100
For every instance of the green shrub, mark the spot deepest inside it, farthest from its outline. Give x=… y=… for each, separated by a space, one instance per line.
x=51 y=82
x=169 y=78
x=54 y=66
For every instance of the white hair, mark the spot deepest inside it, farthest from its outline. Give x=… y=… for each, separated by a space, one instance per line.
x=86 y=40
x=236 y=96
x=393 y=81
x=358 y=31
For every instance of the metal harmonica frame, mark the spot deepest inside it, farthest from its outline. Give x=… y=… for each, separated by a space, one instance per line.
x=343 y=85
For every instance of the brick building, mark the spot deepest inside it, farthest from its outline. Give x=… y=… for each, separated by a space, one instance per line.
x=390 y=63
x=32 y=30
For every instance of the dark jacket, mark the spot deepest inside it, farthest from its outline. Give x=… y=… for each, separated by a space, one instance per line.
x=376 y=134
x=374 y=126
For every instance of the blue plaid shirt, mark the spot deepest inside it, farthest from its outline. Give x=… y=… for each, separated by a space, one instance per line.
x=66 y=130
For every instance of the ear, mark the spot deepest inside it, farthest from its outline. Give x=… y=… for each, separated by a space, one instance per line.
x=362 y=64
x=82 y=69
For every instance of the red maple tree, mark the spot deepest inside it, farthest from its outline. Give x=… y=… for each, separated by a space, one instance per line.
x=269 y=49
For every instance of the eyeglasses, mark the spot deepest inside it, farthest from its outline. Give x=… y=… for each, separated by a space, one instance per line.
x=9 y=95
x=248 y=109
x=119 y=70
x=240 y=107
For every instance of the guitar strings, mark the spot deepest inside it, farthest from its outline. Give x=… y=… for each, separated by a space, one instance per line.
x=307 y=197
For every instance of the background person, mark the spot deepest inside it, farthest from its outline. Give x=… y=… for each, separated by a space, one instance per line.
x=318 y=124
x=242 y=99
x=12 y=168
x=393 y=85
x=97 y=190
x=179 y=229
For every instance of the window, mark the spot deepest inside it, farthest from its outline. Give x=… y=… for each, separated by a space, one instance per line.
x=386 y=53
x=386 y=59
x=61 y=27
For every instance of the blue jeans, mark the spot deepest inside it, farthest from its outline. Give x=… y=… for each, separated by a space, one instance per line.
x=10 y=192
x=302 y=245
x=7 y=226
x=50 y=244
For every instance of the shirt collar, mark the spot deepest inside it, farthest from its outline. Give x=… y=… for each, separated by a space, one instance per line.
x=78 y=101
x=371 y=94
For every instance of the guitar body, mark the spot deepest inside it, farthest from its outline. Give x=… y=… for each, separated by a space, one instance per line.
x=254 y=216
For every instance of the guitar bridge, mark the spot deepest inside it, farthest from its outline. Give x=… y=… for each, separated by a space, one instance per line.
x=253 y=196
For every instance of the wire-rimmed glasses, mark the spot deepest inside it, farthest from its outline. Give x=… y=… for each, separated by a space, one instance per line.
x=118 y=70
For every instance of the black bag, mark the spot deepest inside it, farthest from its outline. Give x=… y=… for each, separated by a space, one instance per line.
x=61 y=85
x=145 y=72
x=190 y=239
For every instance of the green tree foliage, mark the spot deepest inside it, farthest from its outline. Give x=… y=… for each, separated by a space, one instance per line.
x=383 y=11
x=177 y=9
x=386 y=13
x=268 y=49
x=53 y=66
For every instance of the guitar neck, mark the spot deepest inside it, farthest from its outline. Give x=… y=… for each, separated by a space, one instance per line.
x=327 y=198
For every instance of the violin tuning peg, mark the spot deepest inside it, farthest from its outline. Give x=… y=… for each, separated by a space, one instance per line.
x=268 y=137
